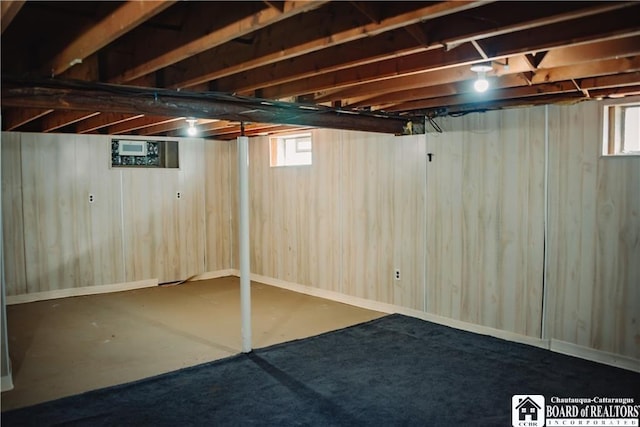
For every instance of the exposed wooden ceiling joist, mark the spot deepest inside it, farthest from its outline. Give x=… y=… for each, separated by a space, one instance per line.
x=498 y=20
x=95 y=123
x=8 y=10
x=203 y=67
x=141 y=122
x=13 y=119
x=357 y=75
x=54 y=122
x=174 y=125
x=366 y=55
x=222 y=35
x=579 y=71
x=126 y=17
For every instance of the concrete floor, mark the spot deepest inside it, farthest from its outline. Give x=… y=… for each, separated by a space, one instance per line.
x=67 y=346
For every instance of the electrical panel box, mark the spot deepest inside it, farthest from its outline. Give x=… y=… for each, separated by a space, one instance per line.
x=132 y=148
x=141 y=153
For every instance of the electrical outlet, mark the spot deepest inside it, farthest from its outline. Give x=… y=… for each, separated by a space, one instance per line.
x=178 y=195
x=92 y=198
x=396 y=274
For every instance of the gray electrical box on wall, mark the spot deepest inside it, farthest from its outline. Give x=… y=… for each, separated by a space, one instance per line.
x=147 y=154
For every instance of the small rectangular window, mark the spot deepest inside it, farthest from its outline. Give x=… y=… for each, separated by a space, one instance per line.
x=290 y=150
x=621 y=130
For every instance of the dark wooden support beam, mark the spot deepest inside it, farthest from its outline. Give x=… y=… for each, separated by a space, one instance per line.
x=83 y=96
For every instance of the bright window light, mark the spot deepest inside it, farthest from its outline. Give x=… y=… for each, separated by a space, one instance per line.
x=290 y=150
x=621 y=130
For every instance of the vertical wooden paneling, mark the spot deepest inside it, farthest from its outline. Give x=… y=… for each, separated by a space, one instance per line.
x=367 y=181
x=50 y=198
x=324 y=197
x=383 y=217
x=68 y=241
x=485 y=202
x=466 y=228
x=594 y=230
x=218 y=205
x=616 y=300
x=572 y=194
x=346 y=222
x=444 y=216
x=99 y=245
x=191 y=208
x=295 y=215
x=13 y=228
x=409 y=220
x=163 y=235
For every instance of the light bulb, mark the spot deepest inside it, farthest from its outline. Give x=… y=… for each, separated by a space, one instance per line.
x=192 y=130
x=481 y=84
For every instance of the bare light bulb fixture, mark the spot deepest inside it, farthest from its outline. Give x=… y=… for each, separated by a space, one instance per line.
x=191 y=130
x=481 y=84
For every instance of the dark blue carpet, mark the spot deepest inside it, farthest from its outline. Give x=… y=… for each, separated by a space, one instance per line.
x=391 y=371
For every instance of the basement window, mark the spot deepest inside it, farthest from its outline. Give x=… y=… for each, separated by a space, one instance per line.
x=290 y=150
x=621 y=130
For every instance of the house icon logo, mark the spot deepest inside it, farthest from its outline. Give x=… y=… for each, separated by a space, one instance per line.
x=527 y=410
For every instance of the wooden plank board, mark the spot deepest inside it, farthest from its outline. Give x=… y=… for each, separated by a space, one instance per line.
x=69 y=242
x=50 y=214
x=485 y=207
x=294 y=215
x=164 y=235
x=13 y=228
x=99 y=223
x=594 y=228
x=217 y=187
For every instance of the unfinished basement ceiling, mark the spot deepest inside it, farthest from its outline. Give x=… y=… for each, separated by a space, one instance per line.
x=381 y=58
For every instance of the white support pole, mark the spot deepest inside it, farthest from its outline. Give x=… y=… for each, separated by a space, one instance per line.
x=243 y=241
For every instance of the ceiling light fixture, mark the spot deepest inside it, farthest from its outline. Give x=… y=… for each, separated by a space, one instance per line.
x=481 y=84
x=191 y=130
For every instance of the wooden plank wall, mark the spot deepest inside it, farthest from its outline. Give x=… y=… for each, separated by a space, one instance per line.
x=480 y=207
x=12 y=222
x=345 y=223
x=68 y=242
x=465 y=230
x=295 y=215
x=594 y=236
x=136 y=229
x=383 y=217
x=485 y=197
x=164 y=235
x=219 y=207
x=364 y=209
